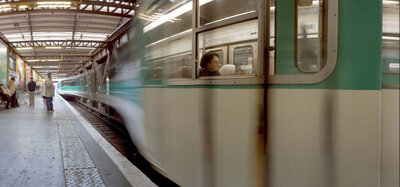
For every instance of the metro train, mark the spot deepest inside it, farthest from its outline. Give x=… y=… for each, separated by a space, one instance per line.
x=316 y=102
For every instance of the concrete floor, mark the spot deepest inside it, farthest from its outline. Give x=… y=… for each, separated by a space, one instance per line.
x=40 y=149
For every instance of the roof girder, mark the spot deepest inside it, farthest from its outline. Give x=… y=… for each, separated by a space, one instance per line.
x=59 y=43
x=83 y=6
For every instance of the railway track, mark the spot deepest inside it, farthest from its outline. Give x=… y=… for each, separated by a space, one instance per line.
x=116 y=134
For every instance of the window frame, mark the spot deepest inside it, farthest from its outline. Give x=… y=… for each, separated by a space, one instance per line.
x=255 y=54
x=331 y=47
x=296 y=39
x=262 y=15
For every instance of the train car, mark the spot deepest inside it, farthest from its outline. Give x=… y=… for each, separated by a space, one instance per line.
x=312 y=98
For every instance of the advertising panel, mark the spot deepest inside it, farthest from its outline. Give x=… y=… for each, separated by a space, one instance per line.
x=34 y=74
x=28 y=72
x=11 y=62
x=21 y=73
x=3 y=64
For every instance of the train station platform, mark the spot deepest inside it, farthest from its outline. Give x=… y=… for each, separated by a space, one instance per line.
x=59 y=149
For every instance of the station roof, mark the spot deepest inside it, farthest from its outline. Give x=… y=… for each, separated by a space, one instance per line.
x=56 y=36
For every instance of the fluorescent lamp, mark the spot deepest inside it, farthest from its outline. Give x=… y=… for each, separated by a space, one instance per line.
x=390 y=38
x=56 y=47
x=54 y=6
x=394 y=66
x=47 y=67
x=244 y=13
x=43 y=60
x=5 y=6
x=387 y=2
x=2 y=9
x=173 y=14
x=54 y=3
x=23 y=6
x=24 y=48
x=88 y=48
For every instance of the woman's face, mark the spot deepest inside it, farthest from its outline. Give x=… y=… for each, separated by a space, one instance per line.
x=214 y=64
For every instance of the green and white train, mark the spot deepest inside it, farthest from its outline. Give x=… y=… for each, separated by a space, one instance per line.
x=316 y=102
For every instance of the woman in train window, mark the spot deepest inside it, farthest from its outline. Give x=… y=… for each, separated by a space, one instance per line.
x=209 y=65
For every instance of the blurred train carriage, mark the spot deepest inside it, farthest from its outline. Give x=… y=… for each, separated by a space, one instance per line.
x=316 y=101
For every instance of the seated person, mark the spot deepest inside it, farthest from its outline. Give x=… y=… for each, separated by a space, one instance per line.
x=1 y=93
x=5 y=94
x=209 y=65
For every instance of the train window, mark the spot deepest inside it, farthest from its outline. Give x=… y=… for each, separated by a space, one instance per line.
x=310 y=43
x=213 y=11
x=178 y=67
x=229 y=36
x=302 y=44
x=123 y=39
x=390 y=44
x=390 y=37
x=167 y=34
x=164 y=19
x=243 y=59
x=271 y=48
x=394 y=67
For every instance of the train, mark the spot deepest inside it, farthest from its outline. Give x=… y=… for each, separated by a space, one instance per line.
x=316 y=102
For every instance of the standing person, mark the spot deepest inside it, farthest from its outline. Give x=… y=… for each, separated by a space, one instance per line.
x=43 y=93
x=49 y=93
x=13 y=93
x=32 y=89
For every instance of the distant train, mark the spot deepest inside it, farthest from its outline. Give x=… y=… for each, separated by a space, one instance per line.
x=316 y=102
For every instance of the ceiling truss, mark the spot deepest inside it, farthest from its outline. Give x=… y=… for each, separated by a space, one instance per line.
x=59 y=43
x=92 y=23
x=115 y=8
x=66 y=57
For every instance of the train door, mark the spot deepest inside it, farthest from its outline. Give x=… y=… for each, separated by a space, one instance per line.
x=300 y=45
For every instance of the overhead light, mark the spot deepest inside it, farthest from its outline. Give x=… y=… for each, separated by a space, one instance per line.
x=54 y=6
x=394 y=66
x=388 y=2
x=24 y=48
x=43 y=60
x=47 y=67
x=2 y=9
x=390 y=38
x=5 y=6
x=53 y=47
x=23 y=6
x=88 y=48
x=54 y=3
x=173 y=14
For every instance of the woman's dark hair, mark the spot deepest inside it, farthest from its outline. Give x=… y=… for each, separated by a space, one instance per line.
x=13 y=78
x=206 y=59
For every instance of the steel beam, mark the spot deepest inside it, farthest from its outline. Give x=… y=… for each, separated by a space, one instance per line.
x=83 y=6
x=104 y=28
x=111 y=24
x=59 y=43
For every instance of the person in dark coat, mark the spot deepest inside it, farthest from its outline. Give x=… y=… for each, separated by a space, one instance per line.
x=32 y=89
x=209 y=65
